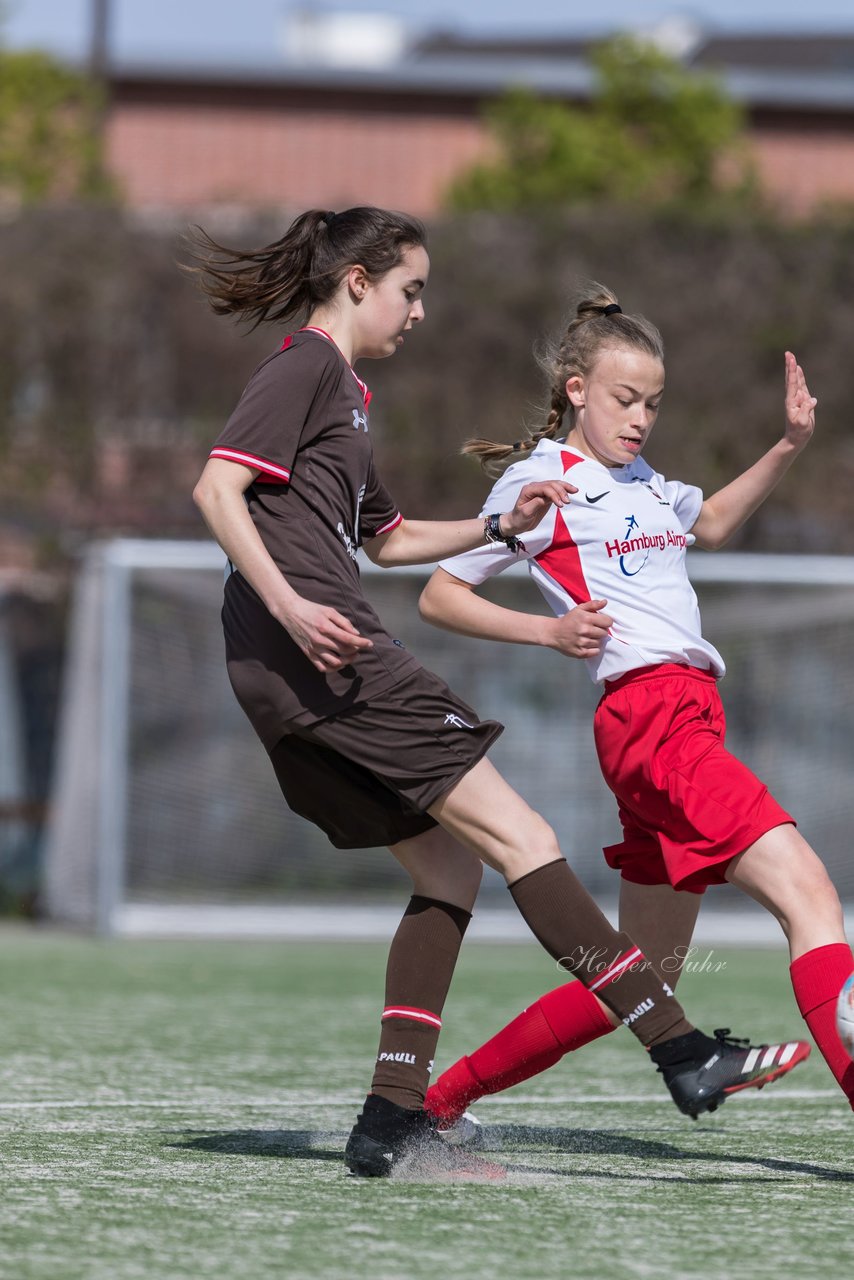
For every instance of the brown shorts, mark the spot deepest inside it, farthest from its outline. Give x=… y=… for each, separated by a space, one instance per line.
x=367 y=776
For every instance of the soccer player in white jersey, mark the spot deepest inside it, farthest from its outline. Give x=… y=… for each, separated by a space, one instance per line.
x=612 y=566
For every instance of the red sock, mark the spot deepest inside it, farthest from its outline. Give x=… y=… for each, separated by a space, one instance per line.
x=817 y=978
x=560 y=1021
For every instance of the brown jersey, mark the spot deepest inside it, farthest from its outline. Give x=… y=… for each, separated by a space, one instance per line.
x=303 y=423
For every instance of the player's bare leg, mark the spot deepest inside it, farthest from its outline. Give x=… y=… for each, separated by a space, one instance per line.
x=784 y=874
x=488 y=817
x=441 y=867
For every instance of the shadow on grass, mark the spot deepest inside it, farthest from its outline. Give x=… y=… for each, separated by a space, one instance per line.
x=282 y=1144
x=513 y=1142
x=516 y=1139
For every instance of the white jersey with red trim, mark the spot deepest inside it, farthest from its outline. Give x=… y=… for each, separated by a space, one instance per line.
x=622 y=538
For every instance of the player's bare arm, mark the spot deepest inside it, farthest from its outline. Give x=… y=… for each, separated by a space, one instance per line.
x=420 y=541
x=454 y=604
x=728 y=509
x=325 y=636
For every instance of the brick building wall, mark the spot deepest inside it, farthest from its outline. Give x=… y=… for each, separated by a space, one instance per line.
x=806 y=160
x=179 y=158
x=177 y=147
x=180 y=151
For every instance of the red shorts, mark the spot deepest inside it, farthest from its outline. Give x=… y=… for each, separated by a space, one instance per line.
x=687 y=806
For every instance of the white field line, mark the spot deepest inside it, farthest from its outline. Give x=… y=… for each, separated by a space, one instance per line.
x=360 y=922
x=563 y=1100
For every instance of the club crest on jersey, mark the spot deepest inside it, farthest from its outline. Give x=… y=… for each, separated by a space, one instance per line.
x=655 y=494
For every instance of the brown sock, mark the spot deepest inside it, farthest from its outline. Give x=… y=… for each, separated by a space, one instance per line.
x=420 y=967
x=566 y=921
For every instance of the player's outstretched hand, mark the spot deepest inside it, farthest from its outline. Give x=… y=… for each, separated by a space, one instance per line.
x=581 y=632
x=532 y=504
x=800 y=405
x=326 y=637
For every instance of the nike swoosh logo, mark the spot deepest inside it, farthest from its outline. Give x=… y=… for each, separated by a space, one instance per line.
x=598 y=496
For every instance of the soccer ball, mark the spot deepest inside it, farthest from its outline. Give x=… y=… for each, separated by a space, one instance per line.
x=845 y=1016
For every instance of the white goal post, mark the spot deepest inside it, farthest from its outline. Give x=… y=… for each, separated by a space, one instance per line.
x=165 y=815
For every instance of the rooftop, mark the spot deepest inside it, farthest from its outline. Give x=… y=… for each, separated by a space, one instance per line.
x=768 y=71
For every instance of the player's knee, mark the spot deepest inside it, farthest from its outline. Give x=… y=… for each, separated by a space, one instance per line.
x=820 y=899
x=808 y=882
x=542 y=840
x=532 y=847
x=467 y=875
x=801 y=893
x=442 y=868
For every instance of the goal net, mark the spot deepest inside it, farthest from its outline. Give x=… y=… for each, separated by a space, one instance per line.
x=165 y=808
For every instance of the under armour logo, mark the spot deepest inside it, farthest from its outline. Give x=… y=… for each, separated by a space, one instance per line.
x=359 y=420
x=450 y=718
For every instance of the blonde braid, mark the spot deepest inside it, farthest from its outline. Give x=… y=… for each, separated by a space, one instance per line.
x=558 y=409
x=492 y=454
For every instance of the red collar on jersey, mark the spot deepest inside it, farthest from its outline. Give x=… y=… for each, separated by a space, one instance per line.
x=312 y=328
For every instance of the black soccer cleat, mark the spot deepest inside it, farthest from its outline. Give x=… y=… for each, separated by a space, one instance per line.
x=732 y=1066
x=389 y=1139
x=367 y=1157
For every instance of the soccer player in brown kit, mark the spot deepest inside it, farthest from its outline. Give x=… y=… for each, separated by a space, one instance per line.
x=366 y=743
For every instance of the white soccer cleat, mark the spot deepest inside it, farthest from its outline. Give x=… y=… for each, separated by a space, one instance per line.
x=467 y=1132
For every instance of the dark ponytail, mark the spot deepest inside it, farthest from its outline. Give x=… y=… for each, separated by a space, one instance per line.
x=287 y=279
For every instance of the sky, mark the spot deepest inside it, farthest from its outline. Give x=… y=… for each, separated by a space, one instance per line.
x=243 y=31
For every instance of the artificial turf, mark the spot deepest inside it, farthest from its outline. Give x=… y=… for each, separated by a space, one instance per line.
x=178 y=1110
